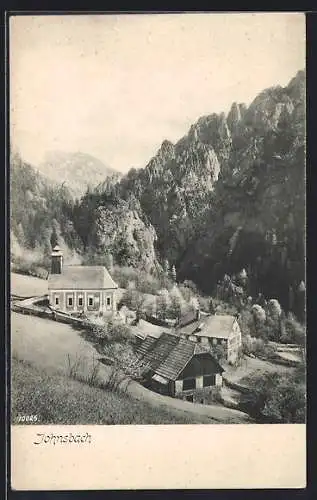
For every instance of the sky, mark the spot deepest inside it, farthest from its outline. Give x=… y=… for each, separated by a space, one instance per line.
x=116 y=86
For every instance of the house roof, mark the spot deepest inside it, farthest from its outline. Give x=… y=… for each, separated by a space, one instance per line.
x=214 y=326
x=188 y=329
x=82 y=277
x=153 y=351
x=148 y=328
x=217 y=326
x=168 y=355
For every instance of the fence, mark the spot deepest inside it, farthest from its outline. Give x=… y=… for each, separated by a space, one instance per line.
x=28 y=306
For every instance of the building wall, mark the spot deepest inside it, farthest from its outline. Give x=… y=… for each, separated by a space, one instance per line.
x=200 y=394
x=234 y=343
x=231 y=345
x=199 y=384
x=84 y=300
x=199 y=368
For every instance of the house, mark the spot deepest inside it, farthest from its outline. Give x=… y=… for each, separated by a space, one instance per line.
x=178 y=367
x=80 y=289
x=214 y=330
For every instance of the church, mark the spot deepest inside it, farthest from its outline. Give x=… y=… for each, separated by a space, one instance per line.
x=80 y=289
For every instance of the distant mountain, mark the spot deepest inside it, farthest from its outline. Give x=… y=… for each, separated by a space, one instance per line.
x=77 y=170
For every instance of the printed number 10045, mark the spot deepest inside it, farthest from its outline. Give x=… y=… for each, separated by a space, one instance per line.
x=26 y=418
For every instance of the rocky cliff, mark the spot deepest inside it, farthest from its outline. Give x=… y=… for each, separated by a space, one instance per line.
x=257 y=218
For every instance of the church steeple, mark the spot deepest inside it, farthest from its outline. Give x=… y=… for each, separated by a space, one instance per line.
x=56 y=261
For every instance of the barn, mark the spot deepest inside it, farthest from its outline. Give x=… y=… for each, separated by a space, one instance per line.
x=212 y=331
x=80 y=289
x=178 y=367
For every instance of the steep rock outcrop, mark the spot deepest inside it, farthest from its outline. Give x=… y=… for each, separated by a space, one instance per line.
x=120 y=231
x=260 y=198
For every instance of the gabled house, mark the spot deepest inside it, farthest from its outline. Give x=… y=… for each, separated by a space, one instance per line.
x=80 y=289
x=178 y=367
x=214 y=330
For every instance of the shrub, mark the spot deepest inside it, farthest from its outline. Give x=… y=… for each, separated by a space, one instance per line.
x=219 y=351
x=30 y=268
x=257 y=346
x=278 y=399
x=293 y=331
x=144 y=282
x=110 y=332
x=246 y=323
x=163 y=304
x=186 y=292
x=124 y=367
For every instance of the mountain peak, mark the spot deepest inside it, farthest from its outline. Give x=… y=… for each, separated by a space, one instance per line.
x=74 y=168
x=167 y=148
x=297 y=85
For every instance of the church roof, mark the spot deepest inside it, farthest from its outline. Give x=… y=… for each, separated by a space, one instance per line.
x=81 y=278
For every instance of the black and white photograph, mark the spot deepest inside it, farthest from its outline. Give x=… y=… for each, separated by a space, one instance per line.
x=157 y=176
x=157 y=219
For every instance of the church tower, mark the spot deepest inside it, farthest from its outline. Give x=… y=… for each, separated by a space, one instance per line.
x=57 y=261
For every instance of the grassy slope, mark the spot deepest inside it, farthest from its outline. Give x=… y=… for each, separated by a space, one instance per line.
x=27 y=285
x=56 y=399
x=45 y=344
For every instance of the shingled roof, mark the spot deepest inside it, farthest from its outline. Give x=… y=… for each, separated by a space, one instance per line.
x=168 y=355
x=153 y=351
x=81 y=278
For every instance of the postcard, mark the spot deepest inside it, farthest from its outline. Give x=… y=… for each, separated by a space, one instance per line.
x=157 y=250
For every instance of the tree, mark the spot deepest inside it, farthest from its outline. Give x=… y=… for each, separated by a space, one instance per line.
x=211 y=307
x=137 y=303
x=275 y=397
x=293 y=331
x=124 y=367
x=166 y=267
x=219 y=351
x=162 y=304
x=274 y=309
x=134 y=300
x=173 y=273
x=105 y=334
x=109 y=261
x=54 y=238
x=175 y=306
x=194 y=303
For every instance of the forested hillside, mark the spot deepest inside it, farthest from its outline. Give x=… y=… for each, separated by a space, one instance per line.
x=227 y=196
x=40 y=211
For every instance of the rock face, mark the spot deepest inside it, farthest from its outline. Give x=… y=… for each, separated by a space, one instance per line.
x=176 y=185
x=120 y=231
x=230 y=194
x=259 y=198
